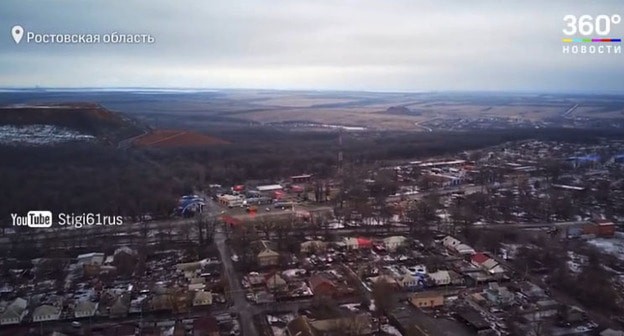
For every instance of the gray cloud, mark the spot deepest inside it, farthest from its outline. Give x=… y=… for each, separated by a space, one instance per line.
x=406 y=45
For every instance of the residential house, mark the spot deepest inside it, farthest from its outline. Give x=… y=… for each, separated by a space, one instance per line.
x=464 y=249
x=264 y=297
x=275 y=282
x=160 y=302
x=181 y=300
x=456 y=246
x=601 y=228
x=267 y=257
x=93 y=258
x=393 y=242
x=350 y=243
x=206 y=326
x=472 y=319
x=202 y=298
x=427 y=300
x=478 y=259
x=124 y=250
x=532 y=290
x=546 y=308
x=46 y=313
x=384 y=279
x=300 y=326
x=456 y=278
x=322 y=286
x=409 y=282
x=498 y=295
x=440 y=278
x=486 y=263
x=357 y=243
x=14 y=312
x=190 y=268
x=196 y=286
x=359 y=324
x=313 y=246
x=119 y=308
x=85 y=308
x=254 y=279
x=265 y=254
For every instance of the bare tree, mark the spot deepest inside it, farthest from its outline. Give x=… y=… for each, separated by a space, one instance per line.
x=384 y=295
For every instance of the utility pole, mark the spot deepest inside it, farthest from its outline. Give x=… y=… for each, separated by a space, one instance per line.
x=340 y=154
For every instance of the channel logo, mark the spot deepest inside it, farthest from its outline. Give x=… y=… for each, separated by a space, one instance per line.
x=33 y=219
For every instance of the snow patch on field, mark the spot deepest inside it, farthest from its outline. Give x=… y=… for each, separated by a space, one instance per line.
x=39 y=135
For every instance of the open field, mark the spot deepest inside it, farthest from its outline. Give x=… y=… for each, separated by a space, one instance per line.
x=172 y=138
x=421 y=111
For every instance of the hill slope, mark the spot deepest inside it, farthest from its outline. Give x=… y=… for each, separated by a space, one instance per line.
x=87 y=118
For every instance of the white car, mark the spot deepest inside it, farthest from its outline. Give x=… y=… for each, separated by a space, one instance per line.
x=235 y=258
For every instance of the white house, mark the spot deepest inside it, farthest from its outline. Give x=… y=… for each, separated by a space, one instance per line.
x=93 y=258
x=450 y=242
x=14 y=312
x=85 y=308
x=196 y=286
x=464 y=249
x=440 y=278
x=408 y=281
x=351 y=243
x=46 y=313
x=202 y=298
x=393 y=242
x=496 y=270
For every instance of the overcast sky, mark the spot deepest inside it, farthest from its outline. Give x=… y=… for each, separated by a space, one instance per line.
x=377 y=45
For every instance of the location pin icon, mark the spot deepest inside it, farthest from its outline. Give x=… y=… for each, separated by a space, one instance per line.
x=18 y=33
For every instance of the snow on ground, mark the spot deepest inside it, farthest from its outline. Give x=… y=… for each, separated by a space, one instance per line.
x=39 y=135
x=388 y=329
x=614 y=246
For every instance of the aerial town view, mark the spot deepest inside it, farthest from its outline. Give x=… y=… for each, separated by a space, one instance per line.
x=326 y=168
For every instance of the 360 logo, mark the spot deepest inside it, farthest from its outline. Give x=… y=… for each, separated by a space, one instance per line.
x=586 y=24
x=587 y=34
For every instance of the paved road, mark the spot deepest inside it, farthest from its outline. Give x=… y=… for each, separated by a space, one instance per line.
x=237 y=295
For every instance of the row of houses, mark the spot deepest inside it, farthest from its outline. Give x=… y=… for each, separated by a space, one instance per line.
x=16 y=311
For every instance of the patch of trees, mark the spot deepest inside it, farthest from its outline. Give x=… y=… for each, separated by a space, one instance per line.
x=96 y=178
x=593 y=286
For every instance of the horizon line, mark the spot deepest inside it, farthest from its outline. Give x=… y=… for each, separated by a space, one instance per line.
x=172 y=88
